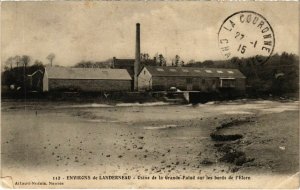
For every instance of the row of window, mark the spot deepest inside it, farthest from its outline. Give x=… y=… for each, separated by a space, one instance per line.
x=213 y=82
x=196 y=70
x=190 y=80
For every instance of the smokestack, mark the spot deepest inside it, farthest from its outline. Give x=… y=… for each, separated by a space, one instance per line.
x=137 y=61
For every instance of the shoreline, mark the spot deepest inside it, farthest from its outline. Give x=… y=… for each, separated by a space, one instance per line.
x=152 y=140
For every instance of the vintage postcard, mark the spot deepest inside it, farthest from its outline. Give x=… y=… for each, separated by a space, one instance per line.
x=149 y=94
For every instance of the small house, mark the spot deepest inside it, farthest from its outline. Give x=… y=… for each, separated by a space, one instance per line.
x=35 y=80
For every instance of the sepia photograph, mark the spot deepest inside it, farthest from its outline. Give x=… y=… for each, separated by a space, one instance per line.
x=149 y=94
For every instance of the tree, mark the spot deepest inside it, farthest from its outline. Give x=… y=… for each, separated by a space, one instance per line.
x=182 y=63
x=161 y=60
x=17 y=60
x=235 y=61
x=191 y=62
x=177 y=59
x=9 y=63
x=38 y=63
x=25 y=59
x=156 y=59
x=208 y=63
x=144 y=57
x=50 y=57
x=92 y=64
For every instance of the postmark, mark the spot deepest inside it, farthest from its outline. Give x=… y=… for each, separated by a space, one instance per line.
x=246 y=34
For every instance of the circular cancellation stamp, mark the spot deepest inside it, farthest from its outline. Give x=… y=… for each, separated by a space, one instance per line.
x=246 y=34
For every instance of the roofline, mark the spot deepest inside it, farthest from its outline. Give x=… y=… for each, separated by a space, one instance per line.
x=36 y=72
x=94 y=68
x=141 y=70
x=47 y=69
x=193 y=76
x=243 y=76
x=85 y=79
x=191 y=67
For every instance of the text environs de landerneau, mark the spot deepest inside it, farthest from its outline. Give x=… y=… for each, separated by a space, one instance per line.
x=100 y=177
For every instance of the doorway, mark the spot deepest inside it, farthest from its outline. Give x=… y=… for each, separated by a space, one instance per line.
x=189 y=84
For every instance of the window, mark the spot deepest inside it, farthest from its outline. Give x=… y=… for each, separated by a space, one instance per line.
x=144 y=72
x=219 y=71
x=208 y=71
x=173 y=70
x=230 y=72
x=228 y=83
x=185 y=70
x=189 y=80
x=160 y=69
x=203 y=81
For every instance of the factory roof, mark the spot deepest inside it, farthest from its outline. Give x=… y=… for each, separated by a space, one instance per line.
x=86 y=73
x=194 y=72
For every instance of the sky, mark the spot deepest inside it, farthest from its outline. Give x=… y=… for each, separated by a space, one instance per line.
x=100 y=30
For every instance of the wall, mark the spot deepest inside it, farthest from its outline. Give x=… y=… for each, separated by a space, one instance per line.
x=192 y=83
x=144 y=80
x=90 y=85
x=241 y=84
x=45 y=82
x=185 y=83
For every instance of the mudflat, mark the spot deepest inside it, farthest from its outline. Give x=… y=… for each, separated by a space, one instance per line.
x=242 y=137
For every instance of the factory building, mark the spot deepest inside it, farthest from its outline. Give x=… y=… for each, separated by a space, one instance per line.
x=137 y=75
x=190 y=79
x=86 y=79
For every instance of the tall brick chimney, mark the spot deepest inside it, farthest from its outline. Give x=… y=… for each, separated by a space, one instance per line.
x=137 y=61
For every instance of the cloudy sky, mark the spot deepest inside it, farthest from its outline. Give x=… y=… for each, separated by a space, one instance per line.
x=96 y=31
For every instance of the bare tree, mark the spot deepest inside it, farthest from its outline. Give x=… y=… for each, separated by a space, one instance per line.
x=17 y=60
x=9 y=62
x=25 y=59
x=50 y=57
